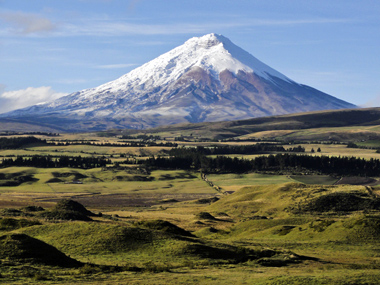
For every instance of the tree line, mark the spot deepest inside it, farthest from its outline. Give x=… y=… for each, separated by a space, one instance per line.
x=120 y=144
x=20 y=142
x=279 y=162
x=192 y=160
x=56 y=162
x=233 y=149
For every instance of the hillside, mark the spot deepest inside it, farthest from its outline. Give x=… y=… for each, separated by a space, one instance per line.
x=166 y=212
x=280 y=126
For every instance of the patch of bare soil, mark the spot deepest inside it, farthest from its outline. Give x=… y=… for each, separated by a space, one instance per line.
x=356 y=180
x=115 y=201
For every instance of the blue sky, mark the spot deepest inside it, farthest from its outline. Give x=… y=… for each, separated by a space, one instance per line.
x=52 y=47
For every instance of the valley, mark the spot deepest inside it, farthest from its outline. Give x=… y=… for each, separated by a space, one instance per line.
x=189 y=142
x=135 y=221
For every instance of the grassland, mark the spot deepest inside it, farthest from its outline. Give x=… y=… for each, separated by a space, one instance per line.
x=174 y=226
x=335 y=125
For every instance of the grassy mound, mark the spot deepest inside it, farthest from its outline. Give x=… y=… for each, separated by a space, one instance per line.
x=266 y=200
x=205 y=216
x=23 y=248
x=70 y=205
x=139 y=245
x=298 y=212
x=68 y=210
x=83 y=238
x=164 y=226
x=207 y=200
x=282 y=200
x=342 y=202
x=357 y=229
x=365 y=228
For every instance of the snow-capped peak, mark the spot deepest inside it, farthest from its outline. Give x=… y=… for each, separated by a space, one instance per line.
x=198 y=81
x=213 y=53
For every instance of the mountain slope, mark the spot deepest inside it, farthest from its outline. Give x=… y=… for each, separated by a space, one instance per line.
x=205 y=79
x=356 y=119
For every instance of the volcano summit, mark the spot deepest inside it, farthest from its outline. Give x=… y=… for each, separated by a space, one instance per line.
x=206 y=79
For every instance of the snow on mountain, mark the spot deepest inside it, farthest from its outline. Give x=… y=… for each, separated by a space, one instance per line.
x=206 y=79
x=212 y=53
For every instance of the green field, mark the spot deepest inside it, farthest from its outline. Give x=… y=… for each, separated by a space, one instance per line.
x=234 y=182
x=172 y=226
x=315 y=179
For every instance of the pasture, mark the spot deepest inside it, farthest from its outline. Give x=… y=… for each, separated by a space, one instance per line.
x=168 y=226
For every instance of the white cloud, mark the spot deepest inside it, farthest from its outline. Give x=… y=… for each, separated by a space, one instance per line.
x=26 y=23
x=12 y=100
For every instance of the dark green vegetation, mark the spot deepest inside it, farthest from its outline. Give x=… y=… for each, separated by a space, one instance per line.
x=20 y=142
x=190 y=159
x=56 y=162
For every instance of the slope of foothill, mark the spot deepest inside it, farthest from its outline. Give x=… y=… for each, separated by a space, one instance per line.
x=26 y=249
x=135 y=244
x=294 y=122
x=296 y=211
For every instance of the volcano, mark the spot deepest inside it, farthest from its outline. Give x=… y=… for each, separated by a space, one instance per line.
x=206 y=79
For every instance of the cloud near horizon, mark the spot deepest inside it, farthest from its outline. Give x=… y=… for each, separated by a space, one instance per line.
x=12 y=100
x=26 y=23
